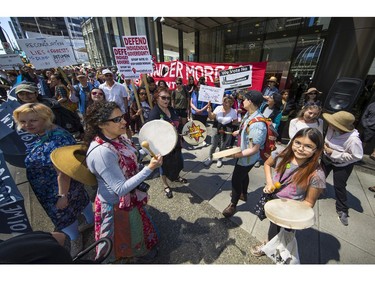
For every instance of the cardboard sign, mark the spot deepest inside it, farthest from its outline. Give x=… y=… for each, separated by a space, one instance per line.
x=48 y=52
x=138 y=54
x=10 y=61
x=212 y=94
x=236 y=78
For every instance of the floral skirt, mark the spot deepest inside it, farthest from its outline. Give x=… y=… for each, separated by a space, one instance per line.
x=131 y=231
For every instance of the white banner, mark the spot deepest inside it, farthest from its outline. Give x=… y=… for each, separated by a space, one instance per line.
x=47 y=52
x=212 y=94
x=10 y=61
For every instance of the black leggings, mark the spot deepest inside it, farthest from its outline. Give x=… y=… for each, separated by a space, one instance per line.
x=240 y=181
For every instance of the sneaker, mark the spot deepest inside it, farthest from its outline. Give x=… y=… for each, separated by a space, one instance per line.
x=256 y=251
x=229 y=211
x=208 y=162
x=343 y=217
x=219 y=164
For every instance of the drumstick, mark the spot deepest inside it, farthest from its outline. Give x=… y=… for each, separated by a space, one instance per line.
x=189 y=133
x=146 y=145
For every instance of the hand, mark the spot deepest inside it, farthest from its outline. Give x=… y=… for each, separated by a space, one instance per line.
x=235 y=133
x=327 y=149
x=62 y=203
x=156 y=162
x=268 y=188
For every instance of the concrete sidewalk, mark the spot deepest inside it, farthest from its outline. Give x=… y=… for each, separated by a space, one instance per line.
x=193 y=229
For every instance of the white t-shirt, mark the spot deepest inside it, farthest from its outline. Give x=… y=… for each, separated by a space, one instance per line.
x=295 y=125
x=116 y=93
x=222 y=118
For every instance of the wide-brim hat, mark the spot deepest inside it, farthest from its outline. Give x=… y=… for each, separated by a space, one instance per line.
x=310 y=90
x=272 y=79
x=342 y=120
x=71 y=161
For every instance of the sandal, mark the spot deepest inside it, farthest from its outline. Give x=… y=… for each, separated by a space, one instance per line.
x=181 y=180
x=168 y=192
x=372 y=188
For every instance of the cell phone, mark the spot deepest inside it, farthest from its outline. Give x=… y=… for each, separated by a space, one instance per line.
x=143 y=186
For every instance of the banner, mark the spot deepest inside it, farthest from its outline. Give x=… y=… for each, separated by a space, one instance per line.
x=13 y=218
x=14 y=144
x=47 y=52
x=236 y=78
x=10 y=61
x=169 y=71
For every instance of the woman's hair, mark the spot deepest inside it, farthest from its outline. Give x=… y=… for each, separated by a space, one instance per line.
x=306 y=171
x=43 y=112
x=97 y=114
x=159 y=90
x=162 y=81
x=277 y=98
x=141 y=88
x=230 y=99
x=308 y=107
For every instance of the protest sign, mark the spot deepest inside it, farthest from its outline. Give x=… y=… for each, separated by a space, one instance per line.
x=236 y=78
x=10 y=61
x=212 y=94
x=47 y=52
x=138 y=54
x=13 y=217
x=123 y=64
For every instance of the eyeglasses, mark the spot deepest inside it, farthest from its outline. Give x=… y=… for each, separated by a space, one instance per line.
x=97 y=93
x=116 y=119
x=307 y=148
x=178 y=83
x=165 y=98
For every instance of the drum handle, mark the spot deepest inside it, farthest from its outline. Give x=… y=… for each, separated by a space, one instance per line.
x=146 y=145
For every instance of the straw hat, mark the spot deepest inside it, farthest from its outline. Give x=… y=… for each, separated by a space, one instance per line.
x=272 y=79
x=342 y=120
x=312 y=90
x=70 y=160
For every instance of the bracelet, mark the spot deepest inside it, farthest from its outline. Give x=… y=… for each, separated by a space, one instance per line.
x=61 y=195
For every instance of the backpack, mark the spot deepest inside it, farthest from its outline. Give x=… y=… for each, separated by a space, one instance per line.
x=270 y=143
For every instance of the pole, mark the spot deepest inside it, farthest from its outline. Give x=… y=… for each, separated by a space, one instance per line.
x=144 y=79
x=137 y=100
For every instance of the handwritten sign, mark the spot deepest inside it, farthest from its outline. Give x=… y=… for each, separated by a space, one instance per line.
x=10 y=61
x=47 y=52
x=123 y=64
x=138 y=54
x=236 y=78
x=212 y=94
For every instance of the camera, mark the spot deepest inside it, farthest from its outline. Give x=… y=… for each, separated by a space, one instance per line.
x=143 y=186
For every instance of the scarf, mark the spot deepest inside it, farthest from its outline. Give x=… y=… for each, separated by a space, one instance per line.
x=127 y=160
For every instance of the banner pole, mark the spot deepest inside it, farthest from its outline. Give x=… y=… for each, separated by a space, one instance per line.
x=137 y=100
x=144 y=79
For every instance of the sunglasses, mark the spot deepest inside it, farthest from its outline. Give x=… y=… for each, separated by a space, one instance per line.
x=165 y=98
x=142 y=93
x=116 y=119
x=178 y=83
x=97 y=93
